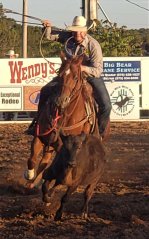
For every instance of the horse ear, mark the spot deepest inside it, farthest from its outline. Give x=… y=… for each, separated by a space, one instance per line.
x=63 y=56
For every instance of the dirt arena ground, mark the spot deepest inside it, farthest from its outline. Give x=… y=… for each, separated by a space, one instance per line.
x=119 y=208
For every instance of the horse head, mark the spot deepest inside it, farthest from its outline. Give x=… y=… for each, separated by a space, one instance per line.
x=70 y=72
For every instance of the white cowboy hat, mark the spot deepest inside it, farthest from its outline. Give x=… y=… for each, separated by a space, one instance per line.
x=78 y=24
x=11 y=53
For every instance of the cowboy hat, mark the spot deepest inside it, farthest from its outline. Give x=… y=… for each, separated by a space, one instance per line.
x=11 y=53
x=78 y=24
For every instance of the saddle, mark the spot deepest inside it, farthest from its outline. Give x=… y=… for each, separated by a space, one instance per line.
x=90 y=104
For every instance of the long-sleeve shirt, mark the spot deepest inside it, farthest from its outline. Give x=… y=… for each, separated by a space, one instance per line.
x=92 y=48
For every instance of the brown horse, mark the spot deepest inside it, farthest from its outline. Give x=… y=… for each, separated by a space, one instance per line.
x=75 y=102
x=73 y=114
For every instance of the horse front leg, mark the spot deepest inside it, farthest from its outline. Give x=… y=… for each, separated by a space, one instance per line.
x=36 y=148
x=44 y=162
x=46 y=193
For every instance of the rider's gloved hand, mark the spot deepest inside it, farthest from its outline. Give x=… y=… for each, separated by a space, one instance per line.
x=46 y=23
x=83 y=68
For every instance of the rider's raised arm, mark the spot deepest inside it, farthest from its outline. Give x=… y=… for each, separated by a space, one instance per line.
x=54 y=33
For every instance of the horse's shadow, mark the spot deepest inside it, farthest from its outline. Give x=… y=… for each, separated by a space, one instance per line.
x=16 y=189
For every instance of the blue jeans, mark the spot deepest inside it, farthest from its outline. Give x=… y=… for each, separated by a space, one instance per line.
x=102 y=99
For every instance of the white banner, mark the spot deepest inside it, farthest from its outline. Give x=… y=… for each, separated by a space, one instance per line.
x=28 y=72
x=22 y=79
x=124 y=99
x=145 y=83
x=11 y=98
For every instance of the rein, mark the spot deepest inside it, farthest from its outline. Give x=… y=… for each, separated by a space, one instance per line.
x=72 y=99
x=74 y=126
x=54 y=127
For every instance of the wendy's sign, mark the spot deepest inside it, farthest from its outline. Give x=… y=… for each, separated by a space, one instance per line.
x=30 y=73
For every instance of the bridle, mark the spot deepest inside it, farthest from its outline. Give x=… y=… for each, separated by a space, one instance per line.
x=75 y=92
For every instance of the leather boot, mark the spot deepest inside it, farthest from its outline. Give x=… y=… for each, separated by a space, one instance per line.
x=31 y=128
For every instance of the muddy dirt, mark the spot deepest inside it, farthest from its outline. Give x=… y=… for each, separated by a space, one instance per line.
x=119 y=208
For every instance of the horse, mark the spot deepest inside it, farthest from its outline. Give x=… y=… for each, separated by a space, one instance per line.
x=74 y=113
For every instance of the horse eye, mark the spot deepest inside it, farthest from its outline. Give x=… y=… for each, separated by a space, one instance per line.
x=76 y=78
